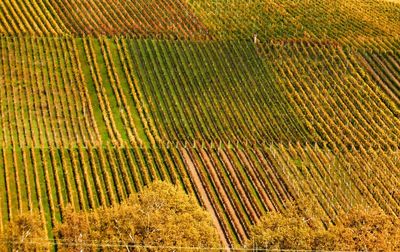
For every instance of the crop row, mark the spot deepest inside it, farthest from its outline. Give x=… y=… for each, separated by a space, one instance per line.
x=29 y=18
x=166 y=18
x=340 y=20
x=380 y=58
x=223 y=93
x=42 y=105
x=138 y=18
x=339 y=101
x=242 y=184
x=196 y=92
x=67 y=92
x=47 y=179
x=247 y=128
x=237 y=109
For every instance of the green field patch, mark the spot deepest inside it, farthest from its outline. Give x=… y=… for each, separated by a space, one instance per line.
x=127 y=92
x=213 y=91
x=98 y=115
x=109 y=91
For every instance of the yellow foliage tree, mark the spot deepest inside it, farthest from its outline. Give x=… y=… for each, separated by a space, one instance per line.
x=360 y=229
x=161 y=215
x=24 y=232
x=367 y=230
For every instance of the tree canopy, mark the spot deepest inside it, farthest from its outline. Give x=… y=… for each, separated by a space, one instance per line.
x=360 y=229
x=160 y=215
x=24 y=233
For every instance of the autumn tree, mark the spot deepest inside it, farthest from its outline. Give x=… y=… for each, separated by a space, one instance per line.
x=25 y=232
x=367 y=230
x=276 y=231
x=160 y=215
x=360 y=229
x=292 y=228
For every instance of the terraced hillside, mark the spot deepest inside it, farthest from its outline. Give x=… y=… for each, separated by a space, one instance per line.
x=99 y=98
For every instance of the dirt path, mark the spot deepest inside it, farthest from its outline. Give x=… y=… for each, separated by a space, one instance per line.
x=203 y=195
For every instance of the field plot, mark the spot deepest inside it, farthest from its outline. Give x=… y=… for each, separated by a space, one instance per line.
x=247 y=128
x=50 y=178
x=248 y=105
x=273 y=19
x=202 y=19
x=303 y=112
x=65 y=92
x=342 y=105
x=381 y=59
x=243 y=184
x=240 y=184
x=35 y=17
x=44 y=99
x=276 y=93
x=218 y=92
x=166 y=18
